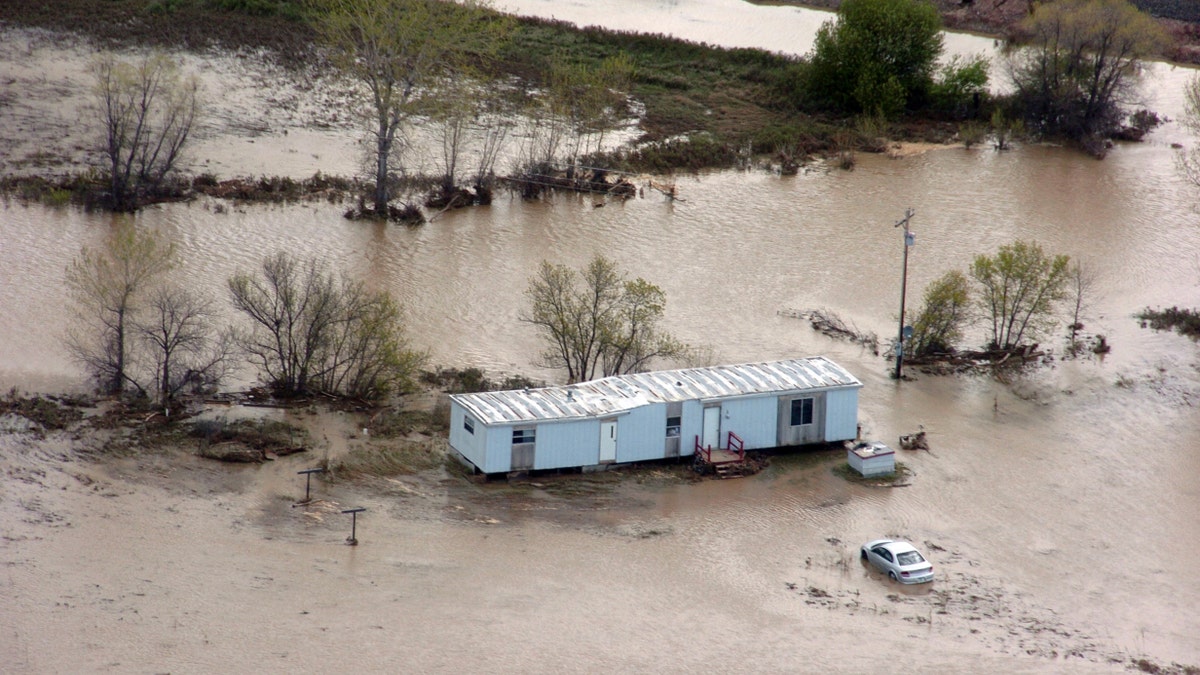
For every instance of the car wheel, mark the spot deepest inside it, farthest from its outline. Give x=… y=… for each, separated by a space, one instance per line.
x=862 y=554
x=893 y=576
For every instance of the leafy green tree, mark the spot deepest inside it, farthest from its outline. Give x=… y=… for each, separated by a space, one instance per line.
x=596 y=320
x=1079 y=65
x=108 y=286
x=312 y=331
x=961 y=85
x=945 y=311
x=877 y=56
x=147 y=109
x=1020 y=289
x=404 y=52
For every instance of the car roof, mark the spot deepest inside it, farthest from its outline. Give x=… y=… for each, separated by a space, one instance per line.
x=895 y=546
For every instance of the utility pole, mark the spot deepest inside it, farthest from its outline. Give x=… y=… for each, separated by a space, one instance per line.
x=908 y=241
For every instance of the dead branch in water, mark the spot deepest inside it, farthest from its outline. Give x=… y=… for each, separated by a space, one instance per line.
x=988 y=357
x=832 y=325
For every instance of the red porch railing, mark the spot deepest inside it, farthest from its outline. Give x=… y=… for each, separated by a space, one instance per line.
x=736 y=446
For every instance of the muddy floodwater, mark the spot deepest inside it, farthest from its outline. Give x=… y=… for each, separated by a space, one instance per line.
x=1058 y=506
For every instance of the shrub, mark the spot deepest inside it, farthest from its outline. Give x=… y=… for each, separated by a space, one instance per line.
x=853 y=70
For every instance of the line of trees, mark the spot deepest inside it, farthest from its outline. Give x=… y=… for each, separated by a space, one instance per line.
x=410 y=56
x=306 y=329
x=1075 y=66
x=1020 y=293
x=417 y=63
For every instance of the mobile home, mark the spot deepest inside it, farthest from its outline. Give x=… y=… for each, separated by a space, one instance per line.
x=656 y=415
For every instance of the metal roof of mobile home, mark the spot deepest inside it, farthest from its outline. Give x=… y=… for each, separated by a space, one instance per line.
x=619 y=393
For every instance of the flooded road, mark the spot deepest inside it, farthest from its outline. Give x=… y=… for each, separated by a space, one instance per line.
x=1058 y=507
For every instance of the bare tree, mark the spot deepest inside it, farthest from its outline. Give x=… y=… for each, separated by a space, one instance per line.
x=177 y=327
x=403 y=51
x=368 y=355
x=1082 y=282
x=1189 y=160
x=107 y=286
x=1080 y=64
x=312 y=331
x=473 y=134
x=597 y=320
x=147 y=110
x=292 y=306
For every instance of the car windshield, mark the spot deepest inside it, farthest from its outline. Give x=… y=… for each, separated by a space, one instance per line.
x=909 y=558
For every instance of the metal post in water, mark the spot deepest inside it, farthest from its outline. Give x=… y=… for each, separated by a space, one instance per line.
x=908 y=241
x=307 y=482
x=352 y=539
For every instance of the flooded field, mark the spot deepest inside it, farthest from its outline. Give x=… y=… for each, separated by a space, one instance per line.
x=1058 y=506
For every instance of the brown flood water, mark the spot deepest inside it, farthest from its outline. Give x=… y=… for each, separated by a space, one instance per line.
x=1058 y=507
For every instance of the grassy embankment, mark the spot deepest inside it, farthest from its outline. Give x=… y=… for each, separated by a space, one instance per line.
x=704 y=107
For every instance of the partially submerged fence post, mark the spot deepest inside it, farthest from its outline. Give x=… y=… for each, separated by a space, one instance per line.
x=307 y=482
x=352 y=539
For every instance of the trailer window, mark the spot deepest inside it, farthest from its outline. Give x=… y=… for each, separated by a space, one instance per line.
x=523 y=436
x=802 y=411
x=469 y=424
x=673 y=427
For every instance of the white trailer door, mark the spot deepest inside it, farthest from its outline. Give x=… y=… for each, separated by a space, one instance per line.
x=608 y=441
x=712 y=427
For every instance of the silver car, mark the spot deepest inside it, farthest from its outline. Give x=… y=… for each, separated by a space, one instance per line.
x=899 y=559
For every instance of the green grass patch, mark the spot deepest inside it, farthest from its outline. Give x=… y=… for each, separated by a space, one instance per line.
x=686 y=87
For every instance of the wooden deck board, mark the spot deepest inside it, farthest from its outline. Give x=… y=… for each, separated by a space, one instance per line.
x=724 y=457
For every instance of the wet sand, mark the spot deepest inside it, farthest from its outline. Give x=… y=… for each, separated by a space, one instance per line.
x=166 y=562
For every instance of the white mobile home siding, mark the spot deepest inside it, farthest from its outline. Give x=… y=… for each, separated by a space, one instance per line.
x=752 y=419
x=470 y=445
x=841 y=415
x=692 y=426
x=642 y=434
x=567 y=444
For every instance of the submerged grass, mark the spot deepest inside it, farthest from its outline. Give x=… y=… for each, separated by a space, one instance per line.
x=703 y=106
x=1184 y=321
x=260 y=434
x=394 y=458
